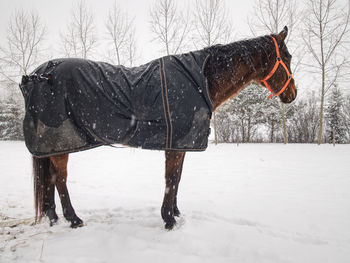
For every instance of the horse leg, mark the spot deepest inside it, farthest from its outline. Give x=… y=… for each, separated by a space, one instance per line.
x=49 y=199
x=176 y=209
x=44 y=189
x=173 y=169
x=58 y=165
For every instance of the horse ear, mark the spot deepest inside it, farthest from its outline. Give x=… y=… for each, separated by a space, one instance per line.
x=283 y=34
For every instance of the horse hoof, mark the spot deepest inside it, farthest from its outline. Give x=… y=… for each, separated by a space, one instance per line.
x=53 y=221
x=170 y=226
x=51 y=214
x=168 y=217
x=76 y=223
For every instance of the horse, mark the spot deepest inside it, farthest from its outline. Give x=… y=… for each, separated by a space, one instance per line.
x=227 y=70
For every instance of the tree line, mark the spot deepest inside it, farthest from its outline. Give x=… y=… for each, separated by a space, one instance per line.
x=252 y=118
x=319 y=31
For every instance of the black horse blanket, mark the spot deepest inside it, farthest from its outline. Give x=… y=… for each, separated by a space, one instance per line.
x=76 y=104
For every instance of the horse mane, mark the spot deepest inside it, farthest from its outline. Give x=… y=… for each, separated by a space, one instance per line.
x=240 y=51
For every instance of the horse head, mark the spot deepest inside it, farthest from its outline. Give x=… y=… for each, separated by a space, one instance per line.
x=278 y=78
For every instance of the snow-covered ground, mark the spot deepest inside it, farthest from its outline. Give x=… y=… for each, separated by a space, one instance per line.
x=247 y=203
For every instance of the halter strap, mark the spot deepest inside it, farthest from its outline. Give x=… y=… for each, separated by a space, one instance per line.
x=279 y=61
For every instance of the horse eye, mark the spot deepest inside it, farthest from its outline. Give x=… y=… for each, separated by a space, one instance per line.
x=288 y=56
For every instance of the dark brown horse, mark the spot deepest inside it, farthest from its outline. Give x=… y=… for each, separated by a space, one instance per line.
x=229 y=69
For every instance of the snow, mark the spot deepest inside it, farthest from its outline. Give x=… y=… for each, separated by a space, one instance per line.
x=246 y=203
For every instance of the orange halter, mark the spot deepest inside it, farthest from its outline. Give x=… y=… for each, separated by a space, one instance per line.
x=278 y=62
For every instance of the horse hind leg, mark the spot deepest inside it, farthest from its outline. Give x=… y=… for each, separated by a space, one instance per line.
x=58 y=165
x=44 y=190
x=173 y=169
x=49 y=200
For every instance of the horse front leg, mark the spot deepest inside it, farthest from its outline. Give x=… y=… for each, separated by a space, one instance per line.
x=173 y=169
x=59 y=168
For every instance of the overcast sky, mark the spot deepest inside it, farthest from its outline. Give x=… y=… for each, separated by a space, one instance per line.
x=56 y=14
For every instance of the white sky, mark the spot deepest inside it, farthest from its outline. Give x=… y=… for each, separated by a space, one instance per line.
x=56 y=14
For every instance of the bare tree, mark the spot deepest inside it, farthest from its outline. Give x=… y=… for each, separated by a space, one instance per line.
x=19 y=54
x=212 y=25
x=121 y=34
x=326 y=28
x=23 y=47
x=169 y=26
x=131 y=48
x=272 y=16
x=80 y=38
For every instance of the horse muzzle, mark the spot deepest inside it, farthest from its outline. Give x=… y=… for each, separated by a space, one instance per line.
x=289 y=94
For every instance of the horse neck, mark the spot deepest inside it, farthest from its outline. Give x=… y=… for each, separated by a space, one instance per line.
x=232 y=67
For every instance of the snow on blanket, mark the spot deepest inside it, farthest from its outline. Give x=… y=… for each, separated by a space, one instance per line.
x=247 y=203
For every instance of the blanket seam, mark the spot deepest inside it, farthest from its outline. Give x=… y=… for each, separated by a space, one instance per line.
x=167 y=100
x=206 y=81
x=165 y=117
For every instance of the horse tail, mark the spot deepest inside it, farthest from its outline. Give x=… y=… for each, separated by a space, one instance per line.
x=41 y=183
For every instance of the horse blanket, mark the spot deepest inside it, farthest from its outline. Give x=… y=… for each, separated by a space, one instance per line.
x=76 y=104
